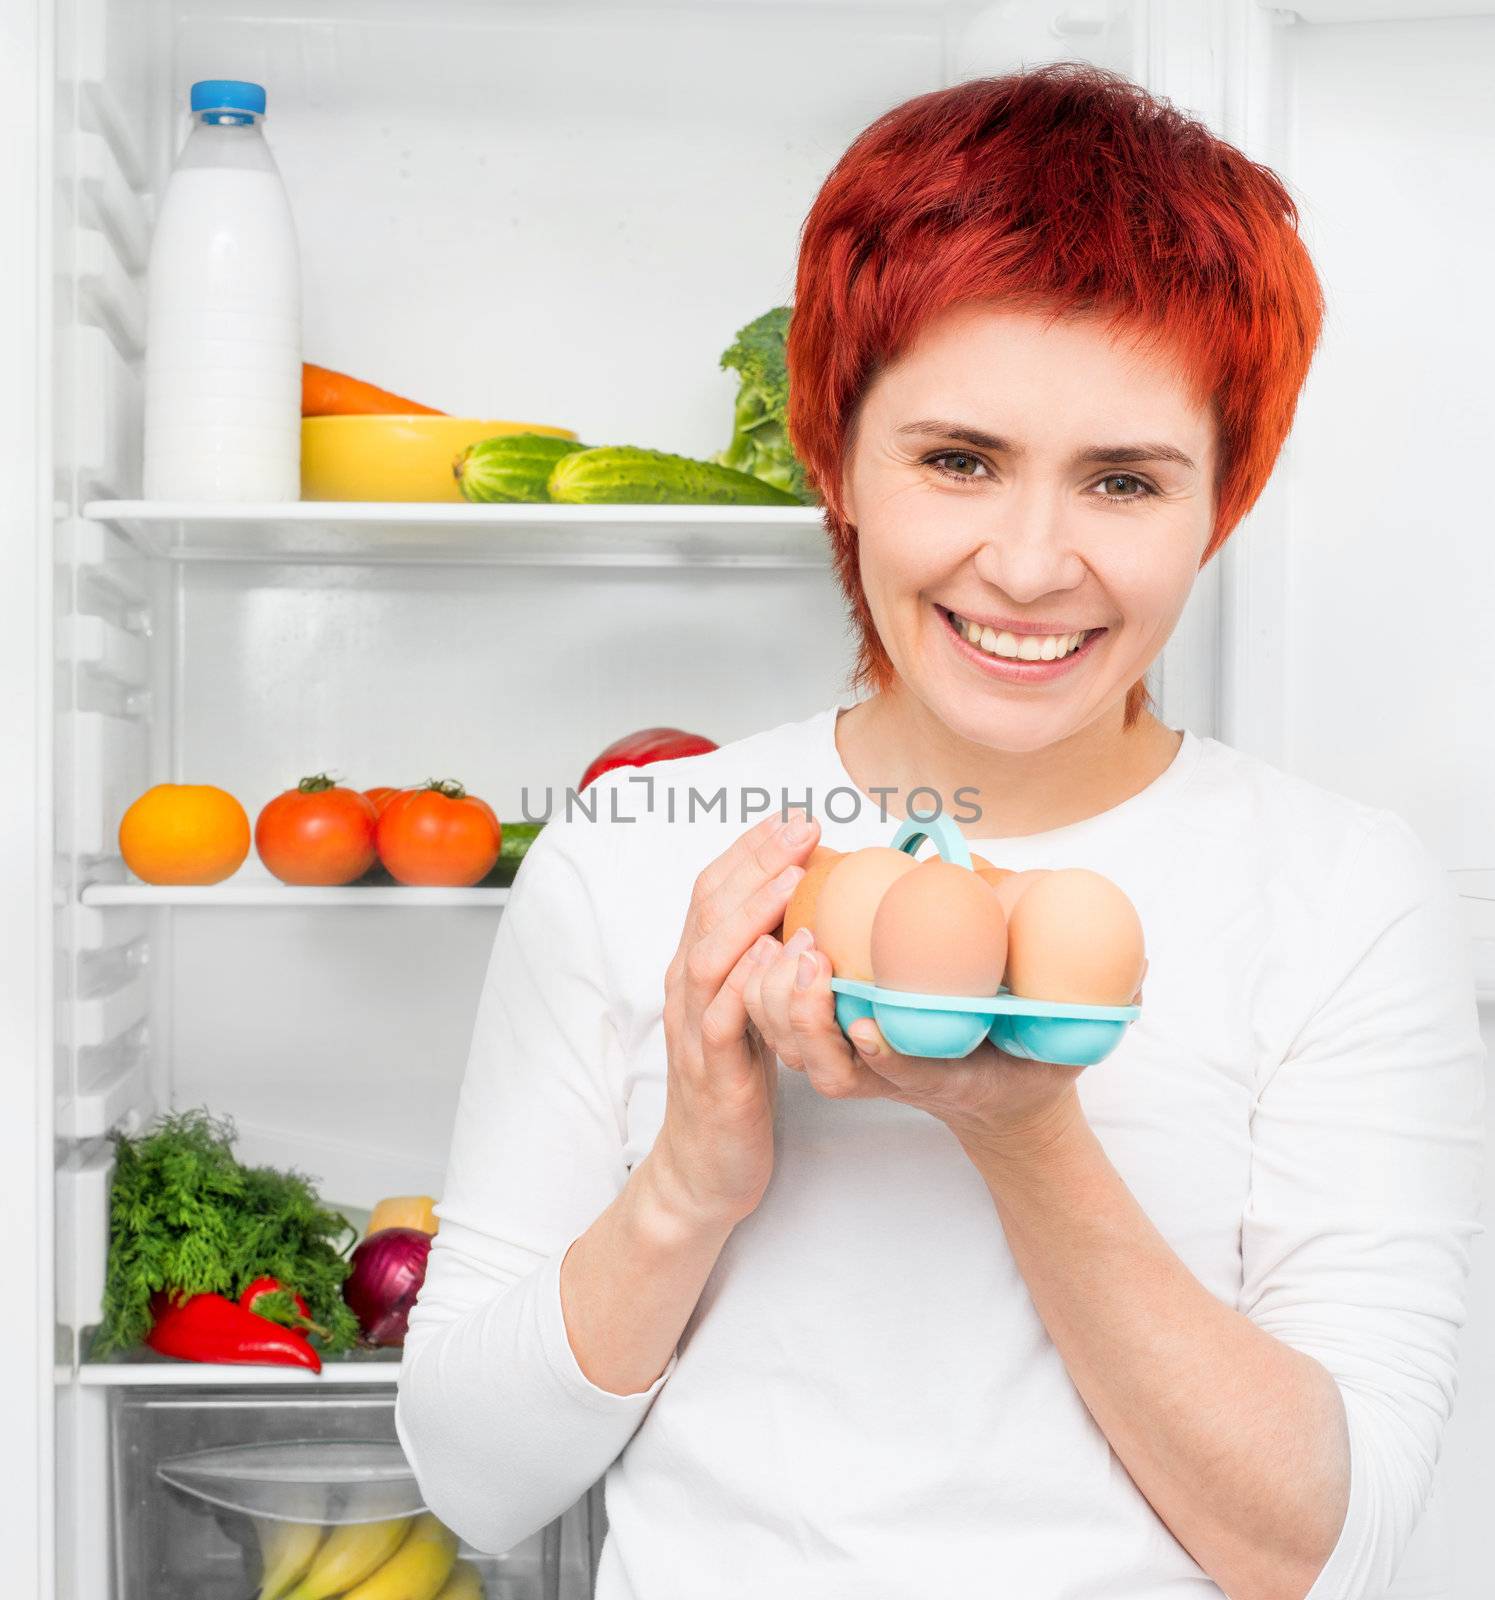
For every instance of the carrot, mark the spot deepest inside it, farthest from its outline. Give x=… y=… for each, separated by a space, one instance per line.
x=325 y=393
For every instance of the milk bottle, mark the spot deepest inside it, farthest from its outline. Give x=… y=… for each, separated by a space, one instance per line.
x=223 y=331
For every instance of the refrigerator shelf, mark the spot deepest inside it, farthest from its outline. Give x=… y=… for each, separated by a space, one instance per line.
x=210 y=1375
x=283 y=895
x=754 y=537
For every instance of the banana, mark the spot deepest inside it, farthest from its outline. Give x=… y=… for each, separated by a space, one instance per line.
x=465 y=1583
x=417 y=1570
x=350 y=1554
x=287 y=1549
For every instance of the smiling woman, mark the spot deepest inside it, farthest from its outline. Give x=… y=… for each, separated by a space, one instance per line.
x=834 y=1320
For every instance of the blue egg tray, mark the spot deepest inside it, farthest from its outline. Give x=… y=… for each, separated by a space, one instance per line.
x=945 y=1027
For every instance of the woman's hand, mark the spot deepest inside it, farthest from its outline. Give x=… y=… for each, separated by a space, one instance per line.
x=988 y=1097
x=714 y=1153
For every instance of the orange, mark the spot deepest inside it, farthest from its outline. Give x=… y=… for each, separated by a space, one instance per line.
x=184 y=833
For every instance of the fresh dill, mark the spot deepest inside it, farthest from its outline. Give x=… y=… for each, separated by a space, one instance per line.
x=186 y=1216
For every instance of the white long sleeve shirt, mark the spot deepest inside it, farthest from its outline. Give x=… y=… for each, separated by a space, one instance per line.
x=864 y=1404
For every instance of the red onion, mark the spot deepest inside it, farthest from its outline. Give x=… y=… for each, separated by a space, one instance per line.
x=388 y=1270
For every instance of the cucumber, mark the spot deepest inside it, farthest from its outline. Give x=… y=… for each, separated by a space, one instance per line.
x=627 y=475
x=514 y=466
x=515 y=839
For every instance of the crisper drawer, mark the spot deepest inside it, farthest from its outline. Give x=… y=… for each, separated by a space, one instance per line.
x=216 y=1489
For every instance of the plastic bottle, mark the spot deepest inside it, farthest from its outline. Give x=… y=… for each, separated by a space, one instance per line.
x=223 y=329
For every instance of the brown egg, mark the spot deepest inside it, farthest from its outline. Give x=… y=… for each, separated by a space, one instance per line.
x=1075 y=937
x=939 y=930
x=800 y=912
x=994 y=875
x=847 y=902
x=981 y=864
x=1015 y=885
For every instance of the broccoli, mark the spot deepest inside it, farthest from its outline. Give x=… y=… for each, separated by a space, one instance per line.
x=760 y=437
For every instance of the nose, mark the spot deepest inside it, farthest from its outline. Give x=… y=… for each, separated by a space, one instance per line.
x=1029 y=550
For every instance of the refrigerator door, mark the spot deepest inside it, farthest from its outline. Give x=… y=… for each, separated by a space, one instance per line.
x=26 y=884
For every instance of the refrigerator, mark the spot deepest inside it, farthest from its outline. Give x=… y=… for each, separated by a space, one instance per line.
x=562 y=211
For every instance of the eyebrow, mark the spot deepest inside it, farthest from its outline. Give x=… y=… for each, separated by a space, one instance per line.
x=1097 y=455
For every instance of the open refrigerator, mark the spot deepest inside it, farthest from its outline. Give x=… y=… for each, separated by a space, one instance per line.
x=557 y=211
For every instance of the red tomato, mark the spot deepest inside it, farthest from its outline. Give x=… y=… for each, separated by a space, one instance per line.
x=317 y=833
x=439 y=835
x=379 y=798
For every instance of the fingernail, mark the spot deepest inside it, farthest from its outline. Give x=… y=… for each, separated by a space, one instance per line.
x=800 y=939
x=762 y=949
x=866 y=1046
x=788 y=878
x=797 y=831
x=805 y=975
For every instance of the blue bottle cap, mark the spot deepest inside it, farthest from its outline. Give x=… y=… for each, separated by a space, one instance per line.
x=228 y=94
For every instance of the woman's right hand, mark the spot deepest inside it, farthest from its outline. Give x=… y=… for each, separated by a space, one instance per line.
x=714 y=1154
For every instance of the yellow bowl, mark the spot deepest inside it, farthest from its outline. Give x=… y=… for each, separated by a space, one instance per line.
x=393 y=457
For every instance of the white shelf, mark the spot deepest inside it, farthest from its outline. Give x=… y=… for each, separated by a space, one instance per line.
x=204 y=1374
x=1339 y=11
x=756 y=537
x=282 y=895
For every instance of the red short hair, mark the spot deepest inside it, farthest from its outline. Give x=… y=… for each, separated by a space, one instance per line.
x=1065 y=188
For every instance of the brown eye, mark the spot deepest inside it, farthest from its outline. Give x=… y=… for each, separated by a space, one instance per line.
x=962 y=465
x=1122 y=486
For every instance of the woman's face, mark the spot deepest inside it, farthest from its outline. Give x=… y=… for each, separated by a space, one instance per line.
x=1012 y=479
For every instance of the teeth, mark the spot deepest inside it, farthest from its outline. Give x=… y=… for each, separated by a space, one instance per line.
x=1030 y=647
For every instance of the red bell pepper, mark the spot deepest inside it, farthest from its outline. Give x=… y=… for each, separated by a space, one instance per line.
x=263 y=1286
x=646 y=746
x=269 y=1298
x=211 y=1327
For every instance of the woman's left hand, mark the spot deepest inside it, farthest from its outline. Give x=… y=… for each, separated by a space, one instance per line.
x=987 y=1097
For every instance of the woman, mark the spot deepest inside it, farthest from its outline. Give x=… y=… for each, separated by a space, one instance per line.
x=836 y=1322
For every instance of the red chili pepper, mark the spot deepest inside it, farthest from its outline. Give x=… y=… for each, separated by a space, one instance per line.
x=210 y=1327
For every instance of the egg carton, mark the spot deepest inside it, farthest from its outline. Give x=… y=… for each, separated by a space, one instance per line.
x=946 y=1027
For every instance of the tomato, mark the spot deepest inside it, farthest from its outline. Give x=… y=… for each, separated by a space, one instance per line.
x=379 y=798
x=184 y=833
x=317 y=833
x=439 y=835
